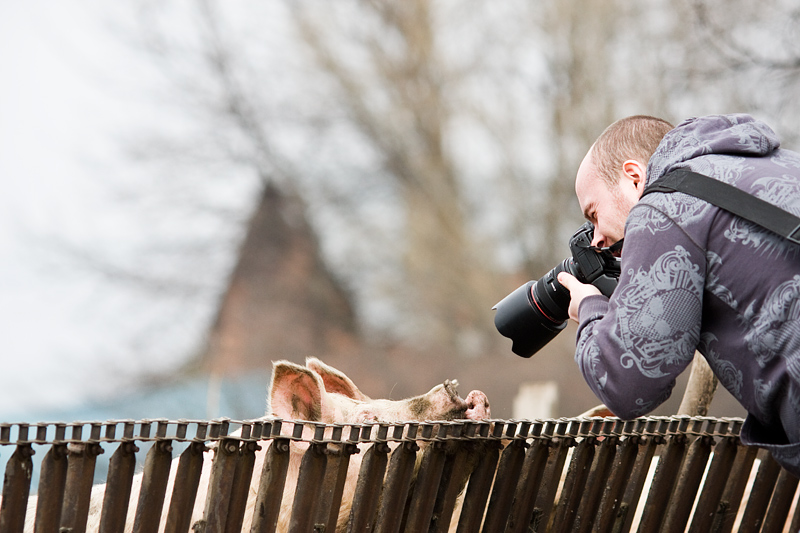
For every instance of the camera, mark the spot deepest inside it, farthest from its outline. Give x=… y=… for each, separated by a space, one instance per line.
x=536 y=312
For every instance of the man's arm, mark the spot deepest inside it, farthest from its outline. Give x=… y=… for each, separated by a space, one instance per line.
x=631 y=347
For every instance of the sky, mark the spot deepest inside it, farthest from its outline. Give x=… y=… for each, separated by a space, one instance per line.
x=70 y=94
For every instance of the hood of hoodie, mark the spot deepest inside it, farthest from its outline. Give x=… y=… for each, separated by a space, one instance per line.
x=736 y=134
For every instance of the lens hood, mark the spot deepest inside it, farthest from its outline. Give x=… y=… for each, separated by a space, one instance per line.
x=518 y=318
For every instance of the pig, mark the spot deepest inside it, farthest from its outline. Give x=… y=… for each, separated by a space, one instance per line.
x=315 y=392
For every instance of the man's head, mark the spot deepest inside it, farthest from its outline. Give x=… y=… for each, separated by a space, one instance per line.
x=612 y=176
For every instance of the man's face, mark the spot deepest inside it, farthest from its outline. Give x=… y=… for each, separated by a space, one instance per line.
x=605 y=206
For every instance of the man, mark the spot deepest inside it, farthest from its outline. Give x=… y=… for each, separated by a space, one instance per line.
x=694 y=276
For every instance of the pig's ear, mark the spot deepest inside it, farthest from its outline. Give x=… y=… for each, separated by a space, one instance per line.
x=296 y=392
x=334 y=380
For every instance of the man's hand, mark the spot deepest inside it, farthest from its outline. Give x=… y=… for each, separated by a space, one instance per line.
x=577 y=291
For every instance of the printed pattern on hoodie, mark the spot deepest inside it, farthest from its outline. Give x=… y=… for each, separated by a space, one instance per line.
x=697 y=277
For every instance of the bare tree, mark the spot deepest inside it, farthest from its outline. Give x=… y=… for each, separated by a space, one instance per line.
x=414 y=161
x=751 y=54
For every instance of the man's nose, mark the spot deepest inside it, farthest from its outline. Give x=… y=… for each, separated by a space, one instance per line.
x=599 y=239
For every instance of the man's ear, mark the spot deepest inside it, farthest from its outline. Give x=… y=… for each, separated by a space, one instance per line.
x=634 y=173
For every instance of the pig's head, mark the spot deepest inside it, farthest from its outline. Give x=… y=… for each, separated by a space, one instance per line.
x=320 y=393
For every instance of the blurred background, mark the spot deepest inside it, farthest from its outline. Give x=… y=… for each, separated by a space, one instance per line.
x=194 y=189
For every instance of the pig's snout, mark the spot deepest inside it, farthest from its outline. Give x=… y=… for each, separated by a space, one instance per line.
x=477 y=406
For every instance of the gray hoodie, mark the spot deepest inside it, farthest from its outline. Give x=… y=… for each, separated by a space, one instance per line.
x=695 y=277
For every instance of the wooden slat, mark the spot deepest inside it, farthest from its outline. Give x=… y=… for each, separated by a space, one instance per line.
x=78 y=489
x=121 y=468
x=508 y=473
x=154 y=487
x=333 y=485
x=666 y=474
x=52 y=482
x=309 y=487
x=480 y=484
x=462 y=457
x=688 y=484
x=270 y=487
x=709 y=504
x=367 y=495
x=586 y=514
x=617 y=481
x=184 y=490
x=574 y=482
x=16 y=486
x=732 y=495
x=426 y=487
x=546 y=499
x=528 y=486
x=781 y=503
x=223 y=470
x=396 y=488
x=633 y=490
x=242 y=478
x=760 y=495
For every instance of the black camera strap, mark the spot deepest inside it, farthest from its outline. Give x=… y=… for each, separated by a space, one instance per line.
x=731 y=199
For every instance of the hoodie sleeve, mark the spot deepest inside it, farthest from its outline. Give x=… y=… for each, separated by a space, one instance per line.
x=631 y=347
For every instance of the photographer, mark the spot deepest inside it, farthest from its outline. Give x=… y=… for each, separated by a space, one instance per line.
x=693 y=276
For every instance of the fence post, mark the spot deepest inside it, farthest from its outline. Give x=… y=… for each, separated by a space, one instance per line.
x=241 y=485
x=611 y=500
x=688 y=483
x=506 y=479
x=574 y=482
x=586 y=513
x=528 y=486
x=461 y=460
x=154 y=487
x=80 y=476
x=16 y=486
x=430 y=473
x=270 y=488
x=52 y=482
x=365 y=499
x=761 y=493
x=480 y=484
x=781 y=502
x=184 y=490
x=709 y=504
x=732 y=494
x=397 y=484
x=658 y=497
x=339 y=453
x=223 y=470
x=545 y=500
x=121 y=468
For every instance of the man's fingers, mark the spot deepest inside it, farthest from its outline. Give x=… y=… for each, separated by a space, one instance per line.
x=567 y=280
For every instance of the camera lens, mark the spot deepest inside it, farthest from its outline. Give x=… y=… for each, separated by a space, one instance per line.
x=535 y=313
x=550 y=297
x=532 y=318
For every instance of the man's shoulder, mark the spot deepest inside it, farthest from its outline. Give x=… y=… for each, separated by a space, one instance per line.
x=661 y=209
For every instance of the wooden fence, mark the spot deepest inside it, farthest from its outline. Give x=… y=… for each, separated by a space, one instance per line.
x=591 y=474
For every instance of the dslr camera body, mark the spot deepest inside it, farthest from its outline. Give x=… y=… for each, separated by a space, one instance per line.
x=536 y=312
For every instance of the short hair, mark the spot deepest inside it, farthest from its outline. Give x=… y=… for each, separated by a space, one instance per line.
x=635 y=137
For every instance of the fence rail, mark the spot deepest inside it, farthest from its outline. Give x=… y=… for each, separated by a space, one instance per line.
x=576 y=474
